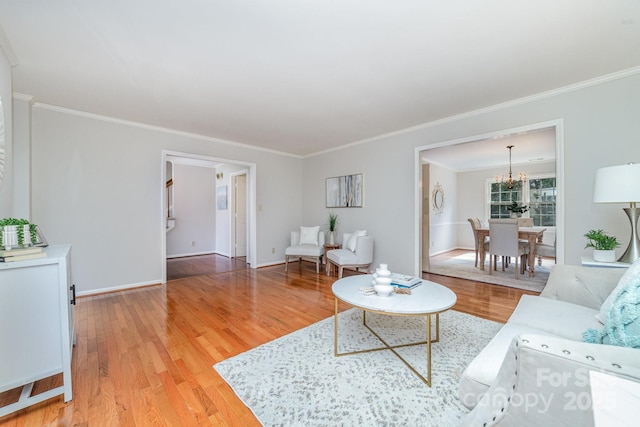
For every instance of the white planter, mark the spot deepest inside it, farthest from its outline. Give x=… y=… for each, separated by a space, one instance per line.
x=604 y=256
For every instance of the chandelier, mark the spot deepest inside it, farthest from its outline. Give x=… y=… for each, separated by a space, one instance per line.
x=510 y=182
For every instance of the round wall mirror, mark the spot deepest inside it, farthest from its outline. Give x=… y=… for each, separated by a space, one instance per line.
x=438 y=198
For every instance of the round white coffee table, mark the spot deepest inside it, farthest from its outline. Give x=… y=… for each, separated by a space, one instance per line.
x=426 y=300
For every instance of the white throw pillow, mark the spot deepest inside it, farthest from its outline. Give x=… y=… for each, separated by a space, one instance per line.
x=626 y=278
x=351 y=244
x=309 y=235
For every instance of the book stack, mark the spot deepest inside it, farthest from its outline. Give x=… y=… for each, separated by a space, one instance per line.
x=404 y=281
x=20 y=254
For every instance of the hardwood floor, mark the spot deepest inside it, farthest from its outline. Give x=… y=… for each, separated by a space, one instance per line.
x=179 y=268
x=145 y=356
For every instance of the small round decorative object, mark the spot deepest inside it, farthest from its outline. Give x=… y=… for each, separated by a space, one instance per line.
x=383 y=271
x=383 y=290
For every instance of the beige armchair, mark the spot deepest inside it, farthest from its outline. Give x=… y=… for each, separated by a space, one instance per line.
x=356 y=252
x=308 y=243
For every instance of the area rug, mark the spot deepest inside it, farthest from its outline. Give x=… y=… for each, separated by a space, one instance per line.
x=463 y=266
x=297 y=380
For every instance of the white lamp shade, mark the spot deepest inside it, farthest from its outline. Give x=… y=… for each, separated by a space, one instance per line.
x=617 y=184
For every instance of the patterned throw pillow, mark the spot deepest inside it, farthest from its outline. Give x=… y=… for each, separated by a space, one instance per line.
x=622 y=323
x=632 y=272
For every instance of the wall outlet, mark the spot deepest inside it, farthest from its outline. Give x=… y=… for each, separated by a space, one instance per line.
x=273 y=250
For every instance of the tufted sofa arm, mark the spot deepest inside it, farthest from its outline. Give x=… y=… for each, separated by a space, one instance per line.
x=587 y=286
x=548 y=378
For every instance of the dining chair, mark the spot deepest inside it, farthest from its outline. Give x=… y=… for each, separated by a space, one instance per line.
x=504 y=242
x=546 y=250
x=475 y=224
x=525 y=222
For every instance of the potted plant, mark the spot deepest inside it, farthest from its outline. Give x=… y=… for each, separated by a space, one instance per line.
x=17 y=232
x=333 y=222
x=603 y=245
x=517 y=210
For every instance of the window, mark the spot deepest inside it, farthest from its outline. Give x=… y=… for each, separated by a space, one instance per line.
x=542 y=201
x=539 y=193
x=501 y=198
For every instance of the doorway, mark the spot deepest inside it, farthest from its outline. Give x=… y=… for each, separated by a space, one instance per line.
x=248 y=206
x=239 y=215
x=438 y=233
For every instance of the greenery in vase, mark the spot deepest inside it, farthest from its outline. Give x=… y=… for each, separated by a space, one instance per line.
x=600 y=241
x=333 y=221
x=20 y=229
x=516 y=208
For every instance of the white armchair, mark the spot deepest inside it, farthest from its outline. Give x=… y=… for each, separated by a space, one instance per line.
x=356 y=252
x=308 y=243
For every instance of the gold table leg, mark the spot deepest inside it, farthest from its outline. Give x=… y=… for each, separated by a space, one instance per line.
x=428 y=342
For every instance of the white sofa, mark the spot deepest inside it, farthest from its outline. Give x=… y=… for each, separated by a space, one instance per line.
x=535 y=371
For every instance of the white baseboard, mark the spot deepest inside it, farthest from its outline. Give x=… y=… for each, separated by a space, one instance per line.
x=193 y=254
x=119 y=288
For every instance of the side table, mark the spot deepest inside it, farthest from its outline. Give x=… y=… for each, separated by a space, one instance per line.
x=587 y=261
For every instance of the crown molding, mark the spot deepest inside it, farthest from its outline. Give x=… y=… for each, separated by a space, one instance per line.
x=497 y=107
x=99 y=117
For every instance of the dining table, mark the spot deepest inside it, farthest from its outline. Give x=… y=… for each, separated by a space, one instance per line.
x=532 y=235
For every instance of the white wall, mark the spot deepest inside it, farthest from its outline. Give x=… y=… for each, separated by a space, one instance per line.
x=6 y=186
x=601 y=128
x=97 y=184
x=194 y=210
x=443 y=227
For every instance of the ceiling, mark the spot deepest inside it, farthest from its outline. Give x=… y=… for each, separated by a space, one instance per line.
x=534 y=146
x=302 y=77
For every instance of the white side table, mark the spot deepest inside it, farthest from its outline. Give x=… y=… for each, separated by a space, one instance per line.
x=588 y=261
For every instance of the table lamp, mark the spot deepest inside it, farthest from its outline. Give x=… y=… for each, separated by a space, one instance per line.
x=621 y=184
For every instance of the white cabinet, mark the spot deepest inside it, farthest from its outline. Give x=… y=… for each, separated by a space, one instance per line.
x=37 y=327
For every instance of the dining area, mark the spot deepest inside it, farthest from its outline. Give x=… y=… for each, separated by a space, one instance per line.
x=510 y=240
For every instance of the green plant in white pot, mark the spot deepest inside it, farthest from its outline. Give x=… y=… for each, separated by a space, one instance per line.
x=603 y=245
x=17 y=232
x=333 y=222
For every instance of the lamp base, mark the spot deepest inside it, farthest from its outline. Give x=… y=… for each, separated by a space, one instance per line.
x=633 y=250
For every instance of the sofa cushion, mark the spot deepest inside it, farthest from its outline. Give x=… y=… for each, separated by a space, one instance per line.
x=560 y=318
x=632 y=272
x=482 y=371
x=309 y=235
x=305 y=250
x=342 y=256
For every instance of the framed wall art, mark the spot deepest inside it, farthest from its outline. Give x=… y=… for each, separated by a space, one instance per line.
x=344 y=191
x=221 y=198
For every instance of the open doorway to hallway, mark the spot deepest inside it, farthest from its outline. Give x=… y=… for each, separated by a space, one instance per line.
x=202 y=206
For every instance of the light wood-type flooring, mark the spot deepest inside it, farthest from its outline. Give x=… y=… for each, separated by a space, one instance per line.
x=145 y=357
